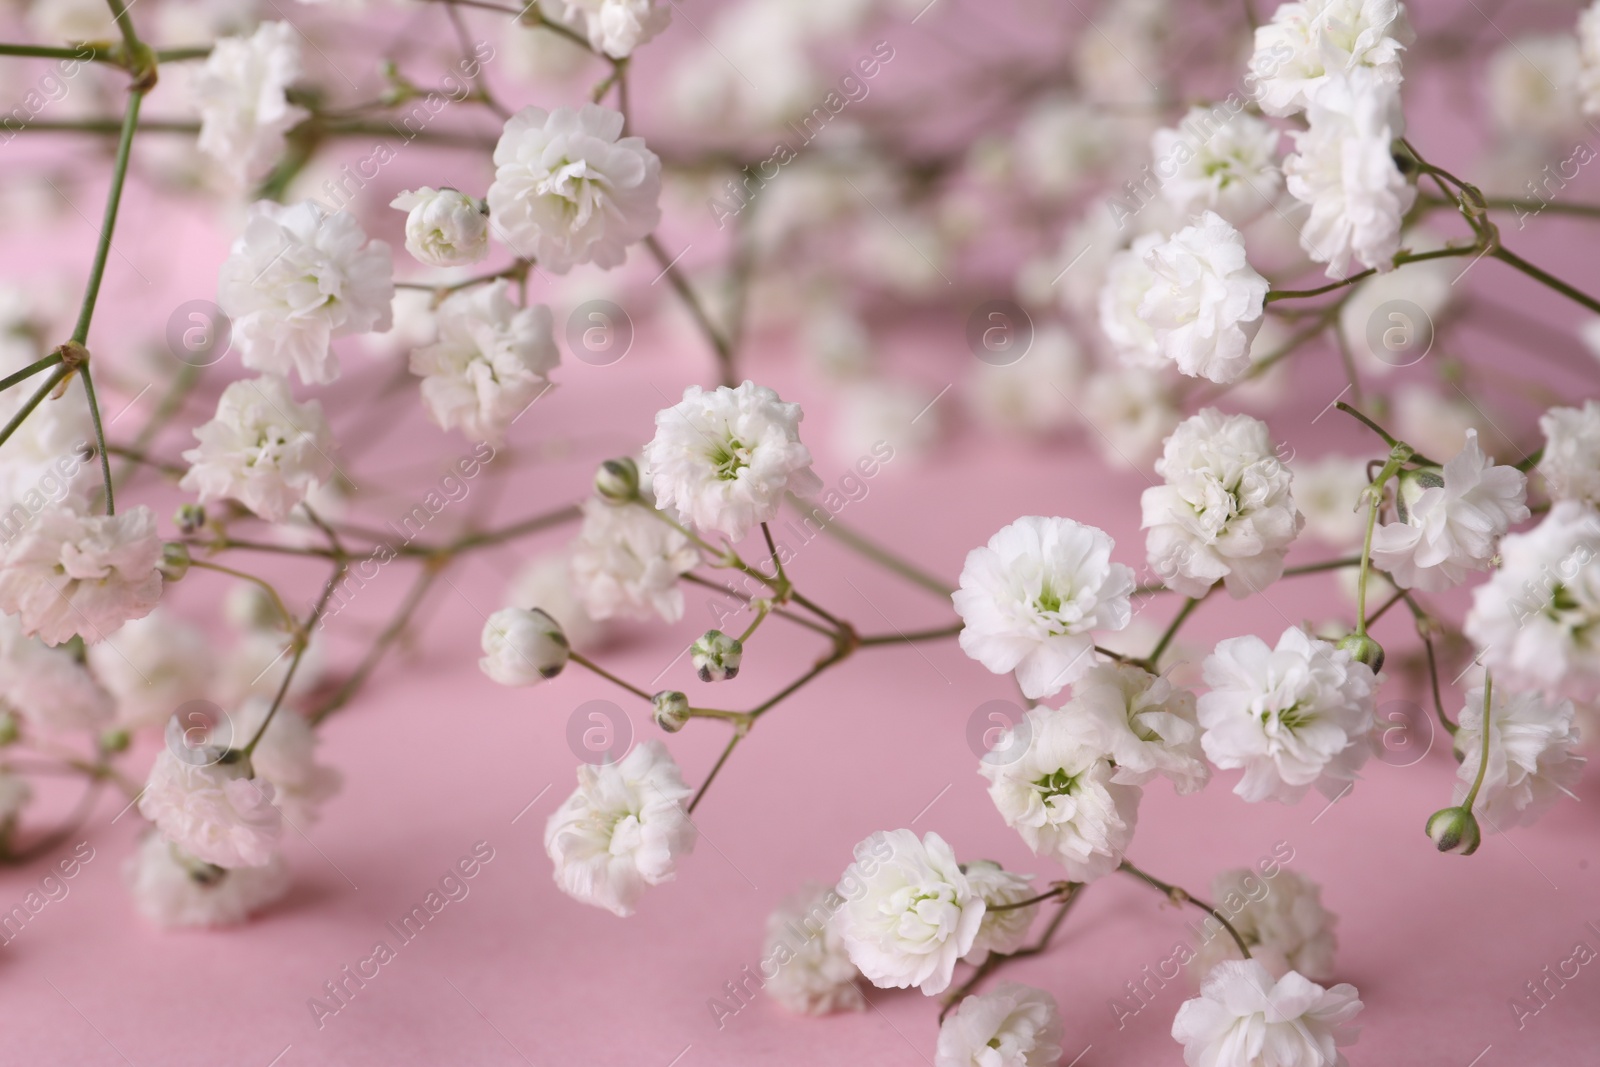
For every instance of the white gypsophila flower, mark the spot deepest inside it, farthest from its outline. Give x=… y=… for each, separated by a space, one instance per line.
x=295 y=279
x=1343 y=168
x=208 y=802
x=444 y=227
x=626 y=563
x=724 y=459
x=48 y=456
x=912 y=917
x=152 y=666
x=1059 y=793
x=615 y=27
x=522 y=646
x=566 y=190
x=1291 y=717
x=1281 y=919
x=1032 y=396
x=1308 y=45
x=1031 y=598
x=71 y=20
x=624 y=828
x=1128 y=280
x=261 y=448
x=15 y=793
x=1012 y=1025
x=241 y=92
x=1006 y=930
x=492 y=360
x=1389 y=321
x=1147 y=725
x=72 y=575
x=545 y=582
x=285 y=757
x=1205 y=301
x=1243 y=1018
x=1225 y=511
x=1218 y=160
x=1130 y=412
x=48 y=686
x=1451 y=520
x=172 y=889
x=1532 y=757
x=1328 y=492
x=1589 y=55
x=814 y=973
x=873 y=412
x=1570 y=462
x=1537 y=619
x=1060 y=142
x=1534 y=86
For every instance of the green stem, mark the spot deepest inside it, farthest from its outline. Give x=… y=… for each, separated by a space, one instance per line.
x=1505 y=255
x=277 y=601
x=1153 y=660
x=1483 y=760
x=738 y=735
x=937 y=634
x=57 y=376
x=584 y=661
x=391 y=633
x=29 y=371
x=1180 y=896
x=874 y=552
x=1399 y=260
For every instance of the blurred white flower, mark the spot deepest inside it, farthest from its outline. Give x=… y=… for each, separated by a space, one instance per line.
x=1589 y=54
x=814 y=973
x=724 y=459
x=1291 y=717
x=285 y=757
x=210 y=805
x=627 y=562
x=1129 y=278
x=1532 y=757
x=1281 y=919
x=569 y=189
x=624 y=829
x=1328 y=493
x=65 y=21
x=491 y=362
x=1221 y=161
x=71 y=575
x=1012 y=1025
x=1225 y=511
x=261 y=448
x=244 y=107
x=1390 y=319
x=615 y=27
x=1147 y=725
x=1570 y=462
x=1534 y=88
x=873 y=412
x=1204 y=300
x=545 y=582
x=1031 y=598
x=1006 y=930
x=295 y=279
x=173 y=889
x=48 y=686
x=1059 y=794
x=1060 y=142
x=444 y=227
x=1437 y=424
x=1243 y=1018
x=1129 y=412
x=522 y=646
x=908 y=920
x=152 y=666
x=1309 y=45
x=1033 y=395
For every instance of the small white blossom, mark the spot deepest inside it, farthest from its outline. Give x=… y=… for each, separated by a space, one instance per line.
x=73 y=575
x=522 y=647
x=1205 y=301
x=814 y=973
x=1571 y=459
x=285 y=757
x=908 y=920
x=152 y=666
x=1129 y=279
x=492 y=360
x=1291 y=717
x=173 y=889
x=624 y=829
x=724 y=459
x=615 y=27
x=1243 y=1018
x=1225 y=511
x=1147 y=725
x=66 y=21
x=567 y=191
x=1130 y=412
x=1060 y=794
x=545 y=582
x=1308 y=45
x=1281 y=919
x=1384 y=334
x=627 y=562
x=1534 y=87
x=1006 y=930
x=209 y=804
x=1450 y=520
x=48 y=686
x=1214 y=160
x=295 y=279
x=1031 y=598
x=444 y=227
x=1532 y=757
x=1344 y=169
x=262 y=449
x=1328 y=492
x=1033 y=396
x=1537 y=619
x=1589 y=52
x=1012 y=1025
x=244 y=108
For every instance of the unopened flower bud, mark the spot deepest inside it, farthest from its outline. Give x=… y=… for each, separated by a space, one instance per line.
x=1454 y=830
x=113 y=741
x=174 y=560
x=716 y=656
x=189 y=519
x=9 y=729
x=672 y=710
x=1363 y=649
x=617 y=480
x=521 y=647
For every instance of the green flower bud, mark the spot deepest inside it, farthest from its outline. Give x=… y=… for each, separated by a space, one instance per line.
x=10 y=729
x=617 y=480
x=1363 y=649
x=1455 y=830
x=672 y=710
x=113 y=741
x=174 y=561
x=716 y=656
x=189 y=519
